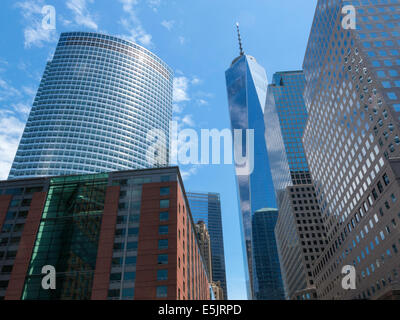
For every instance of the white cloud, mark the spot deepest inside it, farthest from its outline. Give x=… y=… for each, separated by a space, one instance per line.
x=30 y=91
x=168 y=24
x=196 y=81
x=10 y=133
x=191 y=171
x=202 y=102
x=23 y=108
x=34 y=33
x=133 y=25
x=7 y=91
x=182 y=40
x=181 y=86
x=176 y=108
x=82 y=16
x=154 y=4
x=188 y=120
x=64 y=21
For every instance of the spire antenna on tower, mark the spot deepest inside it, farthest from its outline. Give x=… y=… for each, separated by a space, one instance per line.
x=240 y=39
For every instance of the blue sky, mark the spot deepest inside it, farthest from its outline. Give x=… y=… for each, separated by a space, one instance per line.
x=196 y=38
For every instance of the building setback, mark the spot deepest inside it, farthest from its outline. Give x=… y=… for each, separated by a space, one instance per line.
x=352 y=145
x=99 y=98
x=300 y=232
x=207 y=207
x=121 y=235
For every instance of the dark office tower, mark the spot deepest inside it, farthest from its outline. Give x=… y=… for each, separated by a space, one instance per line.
x=267 y=269
x=246 y=84
x=98 y=99
x=299 y=231
x=206 y=207
x=352 y=145
x=125 y=235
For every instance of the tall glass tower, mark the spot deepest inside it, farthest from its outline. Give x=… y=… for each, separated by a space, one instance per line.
x=299 y=217
x=285 y=119
x=206 y=207
x=98 y=99
x=246 y=84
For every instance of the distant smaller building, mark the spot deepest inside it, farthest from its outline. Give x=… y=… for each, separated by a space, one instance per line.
x=218 y=290
x=206 y=207
x=205 y=246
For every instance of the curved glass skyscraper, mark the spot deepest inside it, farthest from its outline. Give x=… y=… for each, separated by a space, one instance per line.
x=98 y=99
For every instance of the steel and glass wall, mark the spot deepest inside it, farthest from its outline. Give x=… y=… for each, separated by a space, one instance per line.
x=351 y=139
x=206 y=207
x=98 y=99
x=299 y=231
x=285 y=119
x=269 y=285
x=67 y=238
x=246 y=84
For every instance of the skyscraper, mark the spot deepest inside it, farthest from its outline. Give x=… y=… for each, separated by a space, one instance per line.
x=299 y=231
x=207 y=207
x=352 y=144
x=98 y=99
x=246 y=84
x=269 y=285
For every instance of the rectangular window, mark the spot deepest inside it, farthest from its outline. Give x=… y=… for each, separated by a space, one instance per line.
x=132 y=246
x=26 y=202
x=162 y=230
x=128 y=292
x=130 y=260
x=129 y=276
x=113 y=293
x=164 y=191
x=15 y=192
x=386 y=179
x=117 y=262
x=164 y=204
x=115 y=277
x=133 y=231
x=162 y=275
x=164 y=216
x=15 y=203
x=162 y=259
x=163 y=244
x=162 y=291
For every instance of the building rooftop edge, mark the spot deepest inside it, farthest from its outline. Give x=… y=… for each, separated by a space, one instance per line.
x=150 y=53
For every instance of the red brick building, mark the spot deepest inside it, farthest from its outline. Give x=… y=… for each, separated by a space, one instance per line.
x=122 y=235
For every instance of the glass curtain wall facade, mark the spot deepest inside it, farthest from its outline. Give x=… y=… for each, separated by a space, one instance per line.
x=285 y=118
x=206 y=207
x=351 y=140
x=246 y=84
x=98 y=99
x=68 y=238
x=299 y=231
x=269 y=285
